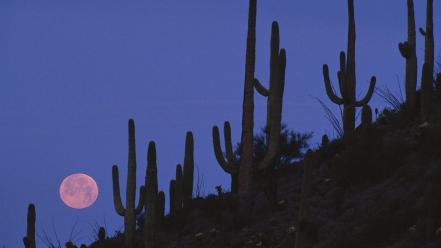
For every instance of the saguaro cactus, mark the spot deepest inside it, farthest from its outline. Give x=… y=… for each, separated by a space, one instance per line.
x=179 y=189
x=274 y=96
x=408 y=51
x=188 y=170
x=426 y=92
x=172 y=194
x=101 y=235
x=242 y=175
x=29 y=239
x=161 y=208
x=366 y=117
x=228 y=164
x=130 y=211
x=302 y=223
x=151 y=206
x=427 y=74
x=347 y=80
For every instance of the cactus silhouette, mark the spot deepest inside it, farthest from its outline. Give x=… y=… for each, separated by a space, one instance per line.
x=161 y=208
x=101 y=235
x=242 y=175
x=274 y=96
x=408 y=51
x=151 y=203
x=366 y=117
x=227 y=163
x=172 y=194
x=130 y=211
x=347 y=80
x=29 y=239
x=179 y=189
x=427 y=74
x=188 y=170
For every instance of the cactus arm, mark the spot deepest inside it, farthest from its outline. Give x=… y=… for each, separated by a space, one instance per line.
x=260 y=88
x=141 y=200
x=116 y=192
x=422 y=31
x=369 y=94
x=329 y=91
x=405 y=49
x=226 y=166
x=228 y=144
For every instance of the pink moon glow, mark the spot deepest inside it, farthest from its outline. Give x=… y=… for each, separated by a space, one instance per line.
x=78 y=191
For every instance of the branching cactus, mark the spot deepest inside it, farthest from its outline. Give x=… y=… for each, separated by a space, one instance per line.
x=130 y=211
x=274 y=96
x=151 y=204
x=29 y=239
x=188 y=172
x=347 y=80
x=227 y=163
x=302 y=222
x=408 y=51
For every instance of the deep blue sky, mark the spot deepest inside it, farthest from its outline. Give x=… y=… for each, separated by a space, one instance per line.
x=73 y=72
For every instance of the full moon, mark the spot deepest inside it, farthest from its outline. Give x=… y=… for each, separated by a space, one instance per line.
x=78 y=191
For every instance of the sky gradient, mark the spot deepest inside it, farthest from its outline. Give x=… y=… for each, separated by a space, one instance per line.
x=73 y=72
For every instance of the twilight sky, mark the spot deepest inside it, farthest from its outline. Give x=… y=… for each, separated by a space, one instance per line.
x=73 y=72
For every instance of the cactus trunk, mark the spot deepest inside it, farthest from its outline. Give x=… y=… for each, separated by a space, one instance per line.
x=408 y=51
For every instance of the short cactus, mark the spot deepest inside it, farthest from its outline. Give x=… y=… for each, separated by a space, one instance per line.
x=130 y=211
x=101 y=234
x=366 y=117
x=228 y=164
x=188 y=171
x=29 y=239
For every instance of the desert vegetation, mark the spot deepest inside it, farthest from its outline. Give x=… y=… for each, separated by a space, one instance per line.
x=376 y=185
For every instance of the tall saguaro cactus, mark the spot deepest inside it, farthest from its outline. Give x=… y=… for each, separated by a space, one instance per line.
x=408 y=51
x=130 y=211
x=274 y=96
x=151 y=198
x=188 y=170
x=347 y=80
x=29 y=239
x=243 y=175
